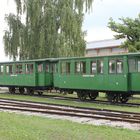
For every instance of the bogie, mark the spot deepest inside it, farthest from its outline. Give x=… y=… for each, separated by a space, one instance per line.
x=118 y=97
x=12 y=90
x=40 y=93
x=82 y=95
x=93 y=95
x=124 y=97
x=21 y=90
x=30 y=91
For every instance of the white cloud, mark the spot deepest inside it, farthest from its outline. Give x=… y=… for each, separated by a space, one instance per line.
x=118 y=2
x=99 y=33
x=7 y=6
x=96 y=23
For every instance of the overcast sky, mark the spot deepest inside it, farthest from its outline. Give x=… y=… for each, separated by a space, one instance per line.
x=95 y=23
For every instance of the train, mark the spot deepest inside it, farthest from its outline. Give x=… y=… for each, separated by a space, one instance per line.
x=116 y=75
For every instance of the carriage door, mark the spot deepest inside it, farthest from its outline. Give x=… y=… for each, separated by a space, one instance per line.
x=40 y=74
x=118 y=74
x=134 y=73
x=48 y=74
x=53 y=70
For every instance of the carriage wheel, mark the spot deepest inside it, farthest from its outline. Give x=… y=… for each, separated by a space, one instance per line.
x=93 y=95
x=124 y=98
x=70 y=92
x=21 y=90
x=30 y=91
x=112 y=97
x=40 y=93
x=12 y=90
x=82 y=96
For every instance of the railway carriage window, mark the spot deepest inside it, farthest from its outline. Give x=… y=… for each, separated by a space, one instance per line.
x=54 y=68
x=138 y=65
x=100 y=65
x=47 y=67
x=9 y=69
x=19 y=69
x=63 y=67
x=93 y=67
x=68 y=67
x=40 y=67
x=77 y=67
x=29 y=68
x=83 y=67
x=112 y=66
x=132 y=65
x=119 y=66
x=1 y=69
x=80 y=67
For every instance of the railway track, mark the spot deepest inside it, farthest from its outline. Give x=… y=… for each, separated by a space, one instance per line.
x=89 y=101
x=61 y=110
x=75 y=99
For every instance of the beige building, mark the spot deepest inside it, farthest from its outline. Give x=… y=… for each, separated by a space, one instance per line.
x=105 y=47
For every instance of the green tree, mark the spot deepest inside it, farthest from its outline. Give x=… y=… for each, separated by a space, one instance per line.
x=52 y=28
x=128 y=29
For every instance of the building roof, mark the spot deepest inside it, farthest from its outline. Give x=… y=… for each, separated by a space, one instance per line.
x=104 y=43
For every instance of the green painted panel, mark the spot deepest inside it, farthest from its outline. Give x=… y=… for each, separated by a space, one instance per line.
x=134 y=81
x=105 y=81
x=20 y=80
x=44 y=79
x=40 y=79
x=48 y=79
x=94 y=82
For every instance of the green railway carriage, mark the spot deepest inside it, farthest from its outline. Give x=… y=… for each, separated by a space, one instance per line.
x=32 y=75
x=117 y=75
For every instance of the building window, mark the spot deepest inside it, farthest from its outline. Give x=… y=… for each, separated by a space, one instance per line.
x=112 y=66
x=80 y=67
x=132 y=65
x=119 y=66
x=1 y=69
x=40 y=67
x=100 y=66
x=93 y=67
x=19 y=69
x=9 y=69
x=29 y=68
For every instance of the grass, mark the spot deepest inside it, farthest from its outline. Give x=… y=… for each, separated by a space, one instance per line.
x=72 y=103
x=19 y=127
